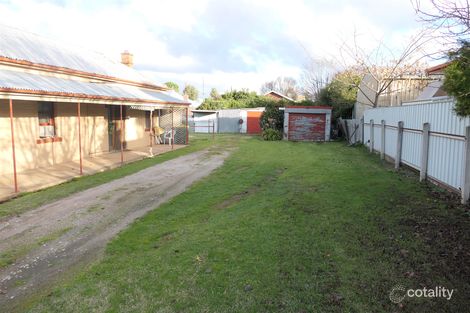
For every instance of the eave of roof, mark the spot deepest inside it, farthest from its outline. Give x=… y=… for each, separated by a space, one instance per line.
x=437 y=67
x=322 y=107
x=85 y=96
x=204 y=111
x=279 y=94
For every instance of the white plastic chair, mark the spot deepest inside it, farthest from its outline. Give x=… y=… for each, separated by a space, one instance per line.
x=168 y=135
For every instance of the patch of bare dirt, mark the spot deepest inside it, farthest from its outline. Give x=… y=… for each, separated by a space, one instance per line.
x=91 y=218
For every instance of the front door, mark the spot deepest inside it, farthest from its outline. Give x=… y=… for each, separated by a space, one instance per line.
x=115 y=127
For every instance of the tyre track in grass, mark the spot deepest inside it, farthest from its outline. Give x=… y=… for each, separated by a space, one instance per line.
x=85 y=222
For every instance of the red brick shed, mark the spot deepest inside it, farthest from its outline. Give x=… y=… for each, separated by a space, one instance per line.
x=307 y=123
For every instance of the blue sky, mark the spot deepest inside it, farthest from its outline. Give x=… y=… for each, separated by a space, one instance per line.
x=225 y=44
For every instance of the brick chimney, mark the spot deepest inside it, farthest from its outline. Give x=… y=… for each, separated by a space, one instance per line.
x=127 y=58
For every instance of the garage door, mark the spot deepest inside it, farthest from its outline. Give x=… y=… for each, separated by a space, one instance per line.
x=306 y=127
x=252 y=124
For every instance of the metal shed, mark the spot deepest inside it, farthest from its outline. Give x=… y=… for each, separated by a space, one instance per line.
x=204 y=121
x=307 y=123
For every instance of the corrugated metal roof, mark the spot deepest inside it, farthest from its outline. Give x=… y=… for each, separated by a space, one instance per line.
x=430 y=90
x=42 y=83
x=20 y=45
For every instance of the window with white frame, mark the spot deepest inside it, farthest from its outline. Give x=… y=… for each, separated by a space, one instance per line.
x=46 y=119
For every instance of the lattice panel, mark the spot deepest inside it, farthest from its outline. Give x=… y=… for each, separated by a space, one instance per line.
x=174 y=120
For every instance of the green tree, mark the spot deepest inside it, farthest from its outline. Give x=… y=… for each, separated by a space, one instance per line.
x=214 y=94
x=272 y=120
x=272 y=116
x=173 y=85
x=191 y=92
x=239 y=99
x=340 y=94
x=234 y=99
x=457 y=78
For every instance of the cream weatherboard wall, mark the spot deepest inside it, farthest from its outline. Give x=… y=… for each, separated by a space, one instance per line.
x=94 y=134
x=94 y=131
x=26 y=132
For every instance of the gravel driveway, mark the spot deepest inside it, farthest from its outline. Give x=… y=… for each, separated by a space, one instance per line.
x=73 y=231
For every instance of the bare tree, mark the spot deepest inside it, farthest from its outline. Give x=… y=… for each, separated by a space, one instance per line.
x=379 y=67
x=316 y=75
x=285 y=85
x=450 y=17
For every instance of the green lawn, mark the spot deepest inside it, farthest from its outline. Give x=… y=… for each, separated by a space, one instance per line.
x=284 y=227
x=28 y=201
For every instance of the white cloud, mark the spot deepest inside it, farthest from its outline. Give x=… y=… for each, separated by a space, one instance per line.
x=225 y=81
x=109 y=31
x=176 y=14
x=151 y=29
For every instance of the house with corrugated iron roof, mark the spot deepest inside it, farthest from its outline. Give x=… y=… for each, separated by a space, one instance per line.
x=63 y=107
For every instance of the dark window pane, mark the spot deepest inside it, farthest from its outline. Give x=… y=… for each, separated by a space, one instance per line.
x=46 y=119
x=46 y=113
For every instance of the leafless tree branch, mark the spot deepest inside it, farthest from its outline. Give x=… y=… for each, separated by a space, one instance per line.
x=383 y=65
x=285 y=85
x=450 y=17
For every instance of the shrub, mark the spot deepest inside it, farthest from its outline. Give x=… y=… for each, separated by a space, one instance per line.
x=271 y=134
x=272 y=120
x=457 y=78
x=272 y=117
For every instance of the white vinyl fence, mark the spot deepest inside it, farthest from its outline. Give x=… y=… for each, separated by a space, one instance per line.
x=425 y=135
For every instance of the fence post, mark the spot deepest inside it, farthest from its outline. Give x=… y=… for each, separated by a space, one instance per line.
x=399 y=144
x=371 y=136
x=362 y=130
x=466 y=173
x=356 y=130
x=344 y=123
x=424 y=152
x=382 y=142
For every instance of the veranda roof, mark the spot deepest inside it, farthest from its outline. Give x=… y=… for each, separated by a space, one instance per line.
x=28 y=83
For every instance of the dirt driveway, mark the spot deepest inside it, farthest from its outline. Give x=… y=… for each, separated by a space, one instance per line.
x=71 y=232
